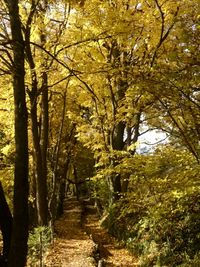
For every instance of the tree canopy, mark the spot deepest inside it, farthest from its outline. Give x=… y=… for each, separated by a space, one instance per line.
x=90 y=80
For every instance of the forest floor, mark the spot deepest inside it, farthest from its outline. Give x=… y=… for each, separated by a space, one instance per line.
x=81 y=242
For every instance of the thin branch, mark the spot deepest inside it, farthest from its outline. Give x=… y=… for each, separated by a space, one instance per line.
x=157 y=142
x=71 y=71
x=5 y=62
x=149 y=130
x=90 y=39
x=187 y=142
x=163 y=34
x=60 y=81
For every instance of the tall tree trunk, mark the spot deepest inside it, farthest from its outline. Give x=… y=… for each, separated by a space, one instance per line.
x=18 y=249
x=40 y=138
x=43 y=209
x=41 y=196
x=61 y=198
x=114 y=181
x=133 y=134
x=117 y=133
x=44 y=108
x=44 y=124
x=53 y=202
x=42 y=192
x=76 y=182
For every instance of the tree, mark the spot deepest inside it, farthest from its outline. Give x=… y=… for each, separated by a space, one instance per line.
x=111 y=99
x=100 y=77
x=39 y=128
x=18 y=249
x=176 y=70
x=43 y=36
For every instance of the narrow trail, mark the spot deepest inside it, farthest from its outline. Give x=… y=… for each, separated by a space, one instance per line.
x=111 y=253
x=81 y=242
x=72 y=247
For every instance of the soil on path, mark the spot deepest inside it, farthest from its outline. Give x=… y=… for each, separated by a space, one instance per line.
x=81 y=242
x=72 y=247
x=110 y=251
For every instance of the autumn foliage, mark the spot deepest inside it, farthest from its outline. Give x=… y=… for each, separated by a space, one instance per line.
x=100 y=77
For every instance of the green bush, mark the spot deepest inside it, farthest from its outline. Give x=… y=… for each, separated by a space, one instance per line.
x=39 y=240
x=194 y=262
x=169 y=234
x=158 y=218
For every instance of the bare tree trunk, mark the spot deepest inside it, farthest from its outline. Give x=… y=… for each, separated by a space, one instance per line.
x=41 y=195
x=76 y=182
x=44 y=123
x=44 y=137
x=114 y=180
x=43 y=147
x=39 y=135
x=18 y=249
x=56 y=181
x=61 y=198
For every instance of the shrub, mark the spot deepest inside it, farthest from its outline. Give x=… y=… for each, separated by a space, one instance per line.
x=169 y=234
x=39 y=240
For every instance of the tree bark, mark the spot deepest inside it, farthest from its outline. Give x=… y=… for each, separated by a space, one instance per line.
x=6 y=222
x=114 y=181
x=57 y=181
x=41 y=196
x=18 y=249
x=44 y=135
x=40 y=138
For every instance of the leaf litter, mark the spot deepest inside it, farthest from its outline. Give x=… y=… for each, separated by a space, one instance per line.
x=80 y=241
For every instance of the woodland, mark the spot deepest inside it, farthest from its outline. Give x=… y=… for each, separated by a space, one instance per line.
x=81 y=82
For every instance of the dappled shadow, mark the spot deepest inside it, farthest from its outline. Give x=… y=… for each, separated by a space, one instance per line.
x=72 y=247
x=80 y=239
x=108 y=248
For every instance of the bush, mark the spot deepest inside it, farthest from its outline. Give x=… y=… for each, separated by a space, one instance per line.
x=158 y=218
x=39 y=240
x=169 y=234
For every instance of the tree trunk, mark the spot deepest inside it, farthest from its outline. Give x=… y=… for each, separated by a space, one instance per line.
x=44 y=146
x=41 y=196
x=61 y=198
x=40 y=138
x=44 y=137
x=6 y=222
x=114 y=180
x=76 y=183
x=118 y=136
x=132 y=138
x=18 y=249
x=44 y=123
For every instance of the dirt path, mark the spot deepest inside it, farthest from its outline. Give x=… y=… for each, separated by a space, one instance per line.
x=81 y=242
x=109 y=250
x=72 y=246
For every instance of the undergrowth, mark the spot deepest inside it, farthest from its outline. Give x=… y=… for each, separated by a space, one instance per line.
x=166 y=234
x=39 y=240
